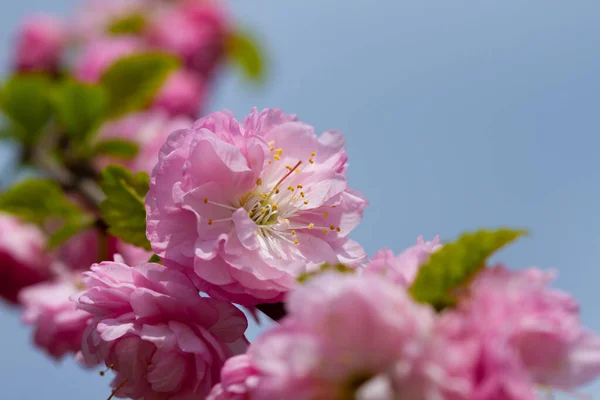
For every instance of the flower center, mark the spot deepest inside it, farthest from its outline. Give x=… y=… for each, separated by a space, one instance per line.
x=271 y=207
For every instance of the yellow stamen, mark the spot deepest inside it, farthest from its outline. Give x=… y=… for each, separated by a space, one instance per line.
x=205 y=200
x=311 y=225
x=325 y=214
x=210 y=221
x=332 y=227
x=313 y=154
x=277 y=157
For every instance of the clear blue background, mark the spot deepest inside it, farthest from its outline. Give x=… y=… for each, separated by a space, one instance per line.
x=459 y=115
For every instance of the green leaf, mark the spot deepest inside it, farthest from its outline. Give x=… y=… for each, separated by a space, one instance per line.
x=41 y=201
x=133 y=81
x=341 y=268
x=155 y=259
x=79 y=107
x=123 y=210
x=455 y=264
x=129 y=25
x=117 y=148
x=24 y=100
x=245 y=51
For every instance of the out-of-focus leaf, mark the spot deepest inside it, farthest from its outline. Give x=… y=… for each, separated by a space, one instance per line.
x=133 y=81
x=41 y=201
x=130 y=25
x=79 y=107
x=155 y=259
x=341 y=268
x=24 y=100
x=123 y=210
x=245 y=51
x=117 y=148
x=455 y=264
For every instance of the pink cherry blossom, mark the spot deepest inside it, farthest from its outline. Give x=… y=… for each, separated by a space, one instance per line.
x=238 y=380
x=183 y=93
x=23 y=259
x=58 y=324
x=79 y=252
x=540 y=323
x=341 y=331
x=40 y=43
x=194 y=30
x=151 y=327
x=526 y=332
x=149 y=130
x=403 y=269
x=251 y=206
x=101 y=53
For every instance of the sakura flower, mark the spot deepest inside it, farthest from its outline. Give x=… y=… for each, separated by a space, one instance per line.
x=251 y=206
x=524 y=330
x=23 y=259
x=183 y=93
x=194 y=30
x=403 y=269
x=148 y=129
x=101 y=53
x=238 y=380
x=151 y=327
x=40 y=43
x=58 y=324
x=341 y=332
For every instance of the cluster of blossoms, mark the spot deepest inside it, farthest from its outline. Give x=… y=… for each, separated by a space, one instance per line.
x=241 y=211
x=252 y=214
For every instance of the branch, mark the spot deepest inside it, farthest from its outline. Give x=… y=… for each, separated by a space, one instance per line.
x=274 y=311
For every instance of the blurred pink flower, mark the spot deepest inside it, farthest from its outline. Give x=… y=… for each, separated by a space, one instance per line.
x=58 y=325
x=23 y=258
x=94 y=18
x=195 y=30
x=342 y=330
x=101 y=53
x=184 y=93
x=238 y=380
x=540 y=323
x=79 y=252
x=252 y=206
x=403 y=269
x=155 y=332
x=525 y=334
x=40 y=43
x=149 y=130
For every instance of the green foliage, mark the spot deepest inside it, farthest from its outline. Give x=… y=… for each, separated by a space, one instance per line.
x=341 y=268
x=117 y=148
x=24 y=100
x=130 y=25
x=455 y=264
x=42 y=202
x=133 y=81
x=79 y=107
x=123 y=210
x=155 y=259
x=245 y=51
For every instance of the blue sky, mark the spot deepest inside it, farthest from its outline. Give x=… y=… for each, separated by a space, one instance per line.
x=459 y=115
